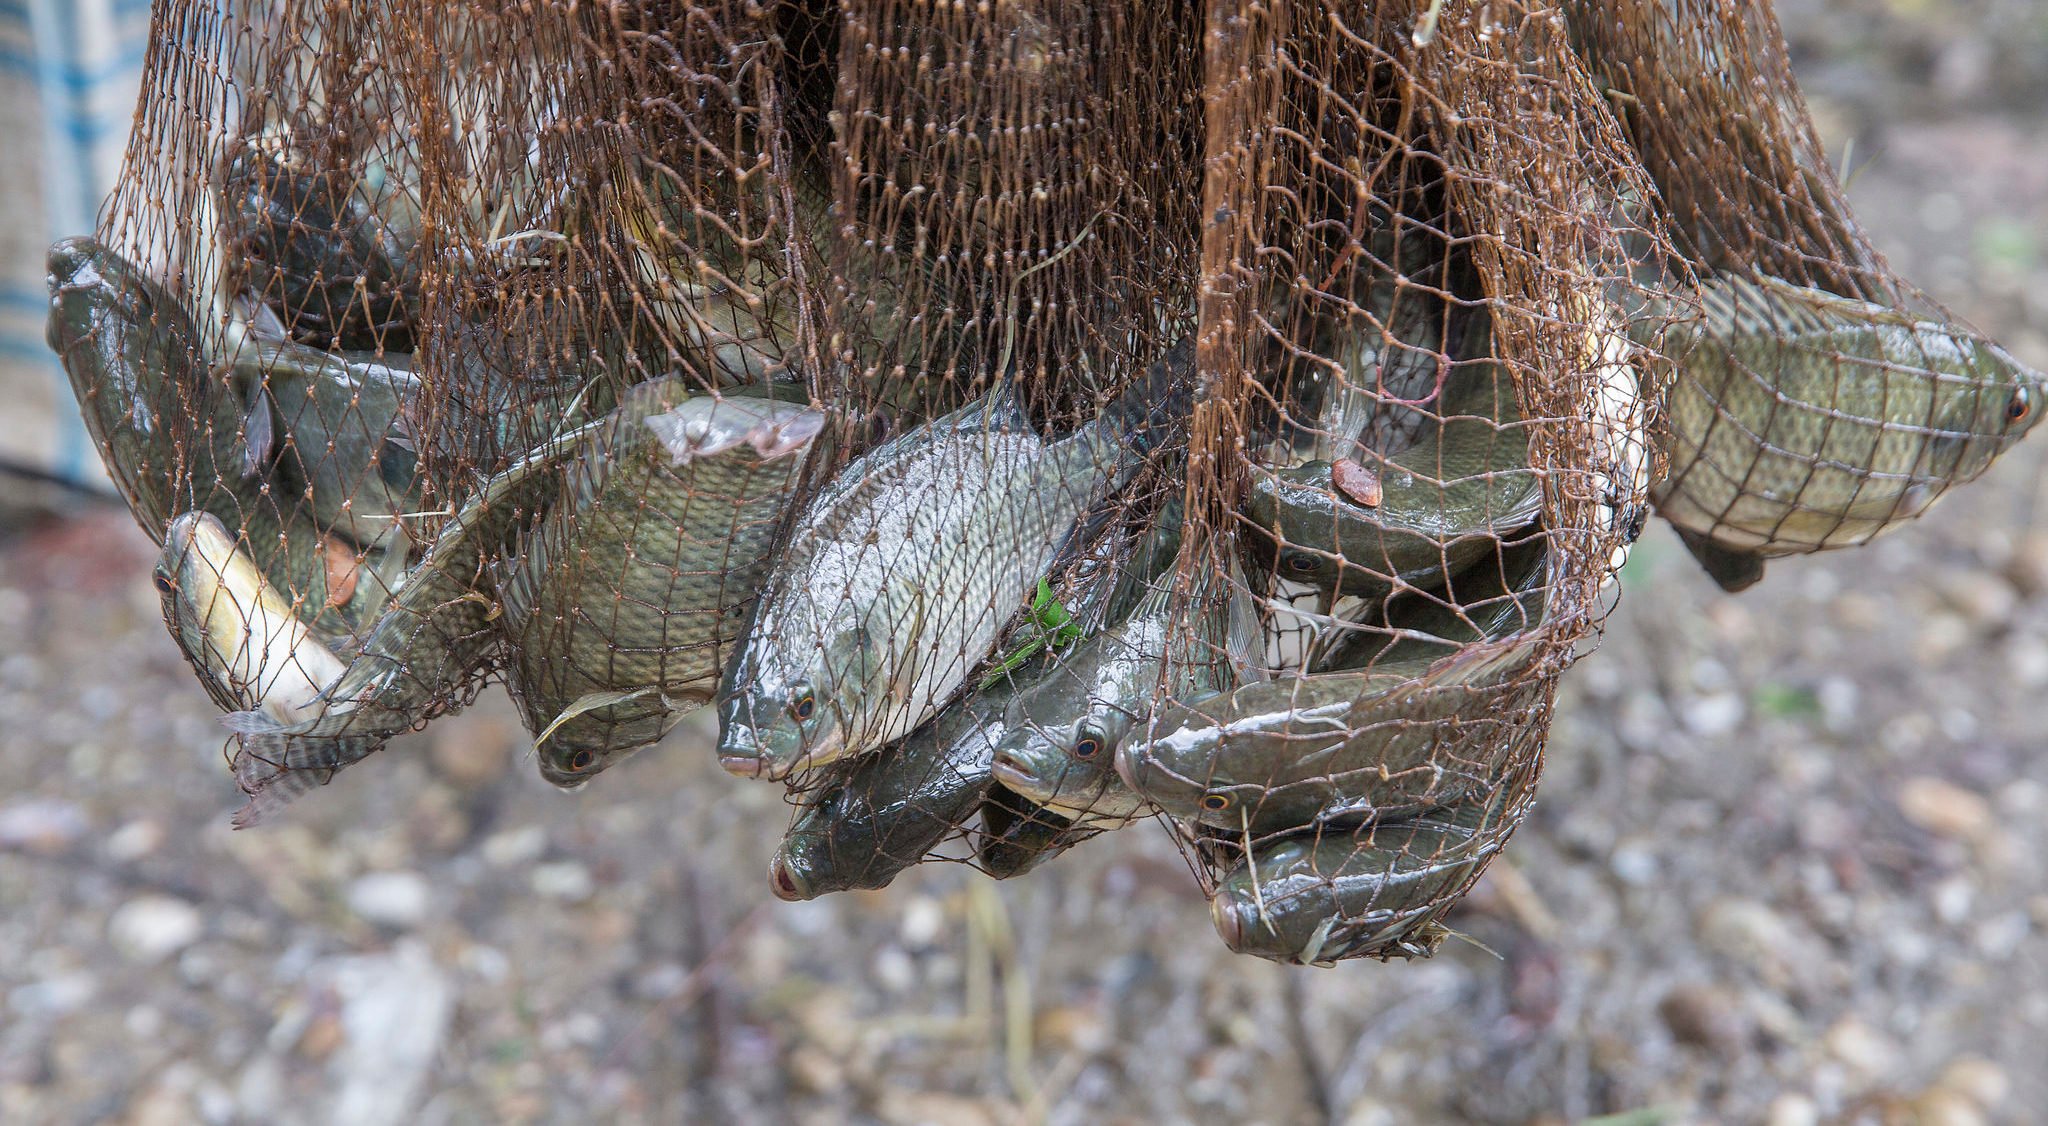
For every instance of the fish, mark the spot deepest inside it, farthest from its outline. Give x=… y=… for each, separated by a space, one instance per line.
x=899 y=578
x=1802 y=421
x=1354 y=746
x=336 y=423
x=320 y=257
x=132 y=354
x=632 y=589
x=1018 y=835
x=236 y=629
x=1441 y=504
x=172 y=437
x=878 y=815
x=436 y=635
x=1319 y=898
x=1059 y=750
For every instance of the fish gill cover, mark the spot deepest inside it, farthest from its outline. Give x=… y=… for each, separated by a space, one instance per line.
x=1018 y=420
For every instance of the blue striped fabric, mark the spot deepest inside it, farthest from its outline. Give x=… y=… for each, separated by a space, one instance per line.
x=69 y=71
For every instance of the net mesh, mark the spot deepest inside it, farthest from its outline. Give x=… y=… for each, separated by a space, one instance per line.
x=1022 y=419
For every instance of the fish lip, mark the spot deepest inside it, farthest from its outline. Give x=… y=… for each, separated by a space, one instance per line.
x=1013 y=773
x=740 y=764
x=785 y=883
x=1224 y=914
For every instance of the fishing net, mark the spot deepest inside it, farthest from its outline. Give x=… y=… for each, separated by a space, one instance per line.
x=1022 y=419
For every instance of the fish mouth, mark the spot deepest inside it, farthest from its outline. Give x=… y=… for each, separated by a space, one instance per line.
x=1229 y=919
x=1014 y=774
x=742 y=764
x=785 y=883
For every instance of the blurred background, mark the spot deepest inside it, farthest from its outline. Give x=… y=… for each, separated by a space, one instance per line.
x=1787 y=865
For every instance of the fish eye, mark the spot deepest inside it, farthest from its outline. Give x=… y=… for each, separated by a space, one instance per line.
x=581 y=760
x=804 y=706
x=163 y=584
x=1215 y=803
x=1087 y=747
x=2020 y=407
x=1300 y=561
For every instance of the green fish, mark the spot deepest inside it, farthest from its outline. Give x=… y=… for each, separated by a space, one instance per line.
x=1503 y=594
x=172 y=438
x=320 y=257
x=1802 y=421
x=1440 y=505
x=878 y=815
x=1358 y=746
x=1375 y=892
x=899 y=578
x=1059 y=751
x=632 y=589
x=340 y=422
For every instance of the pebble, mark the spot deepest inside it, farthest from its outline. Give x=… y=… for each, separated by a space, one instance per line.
x=390 y=899
x=133 y=841
x=1792 y=1110
x=1944 y=808
x=394 y=1013
x=1635 y=863
x=150 y=928
x=1709 y=716
x=1983 y=1082
x=1939 y=1107
x=1706 y=1017
x=470 y=749
x=515 y=846
x=565 y=880
x=923 y=921
x=53 y=996
x=1984 y=598
x=42 y=825
x=1860 y=1048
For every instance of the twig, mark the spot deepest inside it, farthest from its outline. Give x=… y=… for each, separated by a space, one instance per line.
x=1312 y=1067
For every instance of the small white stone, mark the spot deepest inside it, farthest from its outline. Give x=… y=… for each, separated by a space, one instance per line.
x=150 y=928
x=1714 y=715
x=515 y=846
x=1634 y=863
x=1792 y=1110
x=923 y=920
x=134 y=841
x=564 y=880
x=391 y=899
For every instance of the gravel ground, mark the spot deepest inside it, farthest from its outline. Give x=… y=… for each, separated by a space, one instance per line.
x=1787 y=865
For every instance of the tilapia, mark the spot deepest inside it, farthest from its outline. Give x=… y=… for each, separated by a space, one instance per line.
x=899 y=578
x=878 y=815
x=1397 y=738
x=631 y=591
x=1364 y=893
x=1802 y=421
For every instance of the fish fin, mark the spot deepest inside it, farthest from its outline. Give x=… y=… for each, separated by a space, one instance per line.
x=274 y=791
x=589 y=702
x=1733 y=570
x=259 y=431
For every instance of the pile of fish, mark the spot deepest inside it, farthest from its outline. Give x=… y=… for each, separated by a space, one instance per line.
x=982 y=628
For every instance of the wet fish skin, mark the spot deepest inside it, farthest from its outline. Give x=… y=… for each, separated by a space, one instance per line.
x=1394 y=739
x=1375 y=892
x=901 y=575
x=239 y=633
x=1503 y=594
x=1443 y=501
x=339 y=420
x=881 y=814
x=635 y=583
x=132 y=355
x=1802 y=421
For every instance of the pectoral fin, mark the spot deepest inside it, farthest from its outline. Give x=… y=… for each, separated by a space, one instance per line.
x=1733 y=570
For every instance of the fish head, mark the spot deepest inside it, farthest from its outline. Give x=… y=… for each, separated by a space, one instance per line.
x=579 y=749
x=785 y=707
x=1177 y=767
x=1064 y=760
x=94 y=291
x=1981 y=413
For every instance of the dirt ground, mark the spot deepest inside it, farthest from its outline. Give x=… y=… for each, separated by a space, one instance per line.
x=1787 y=865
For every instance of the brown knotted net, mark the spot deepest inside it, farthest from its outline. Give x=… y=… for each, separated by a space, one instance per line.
x=516 y=342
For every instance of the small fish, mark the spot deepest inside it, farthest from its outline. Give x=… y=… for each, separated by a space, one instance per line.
x=1059 y=751
x=1503 y=594
x=435 y=636
x=1364 y=893
x=1357 y=746
x=1441 y=503
x=878 y=815
x=899 y=578
x=1802 y=421
x=632 y=589
x=240 y=634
